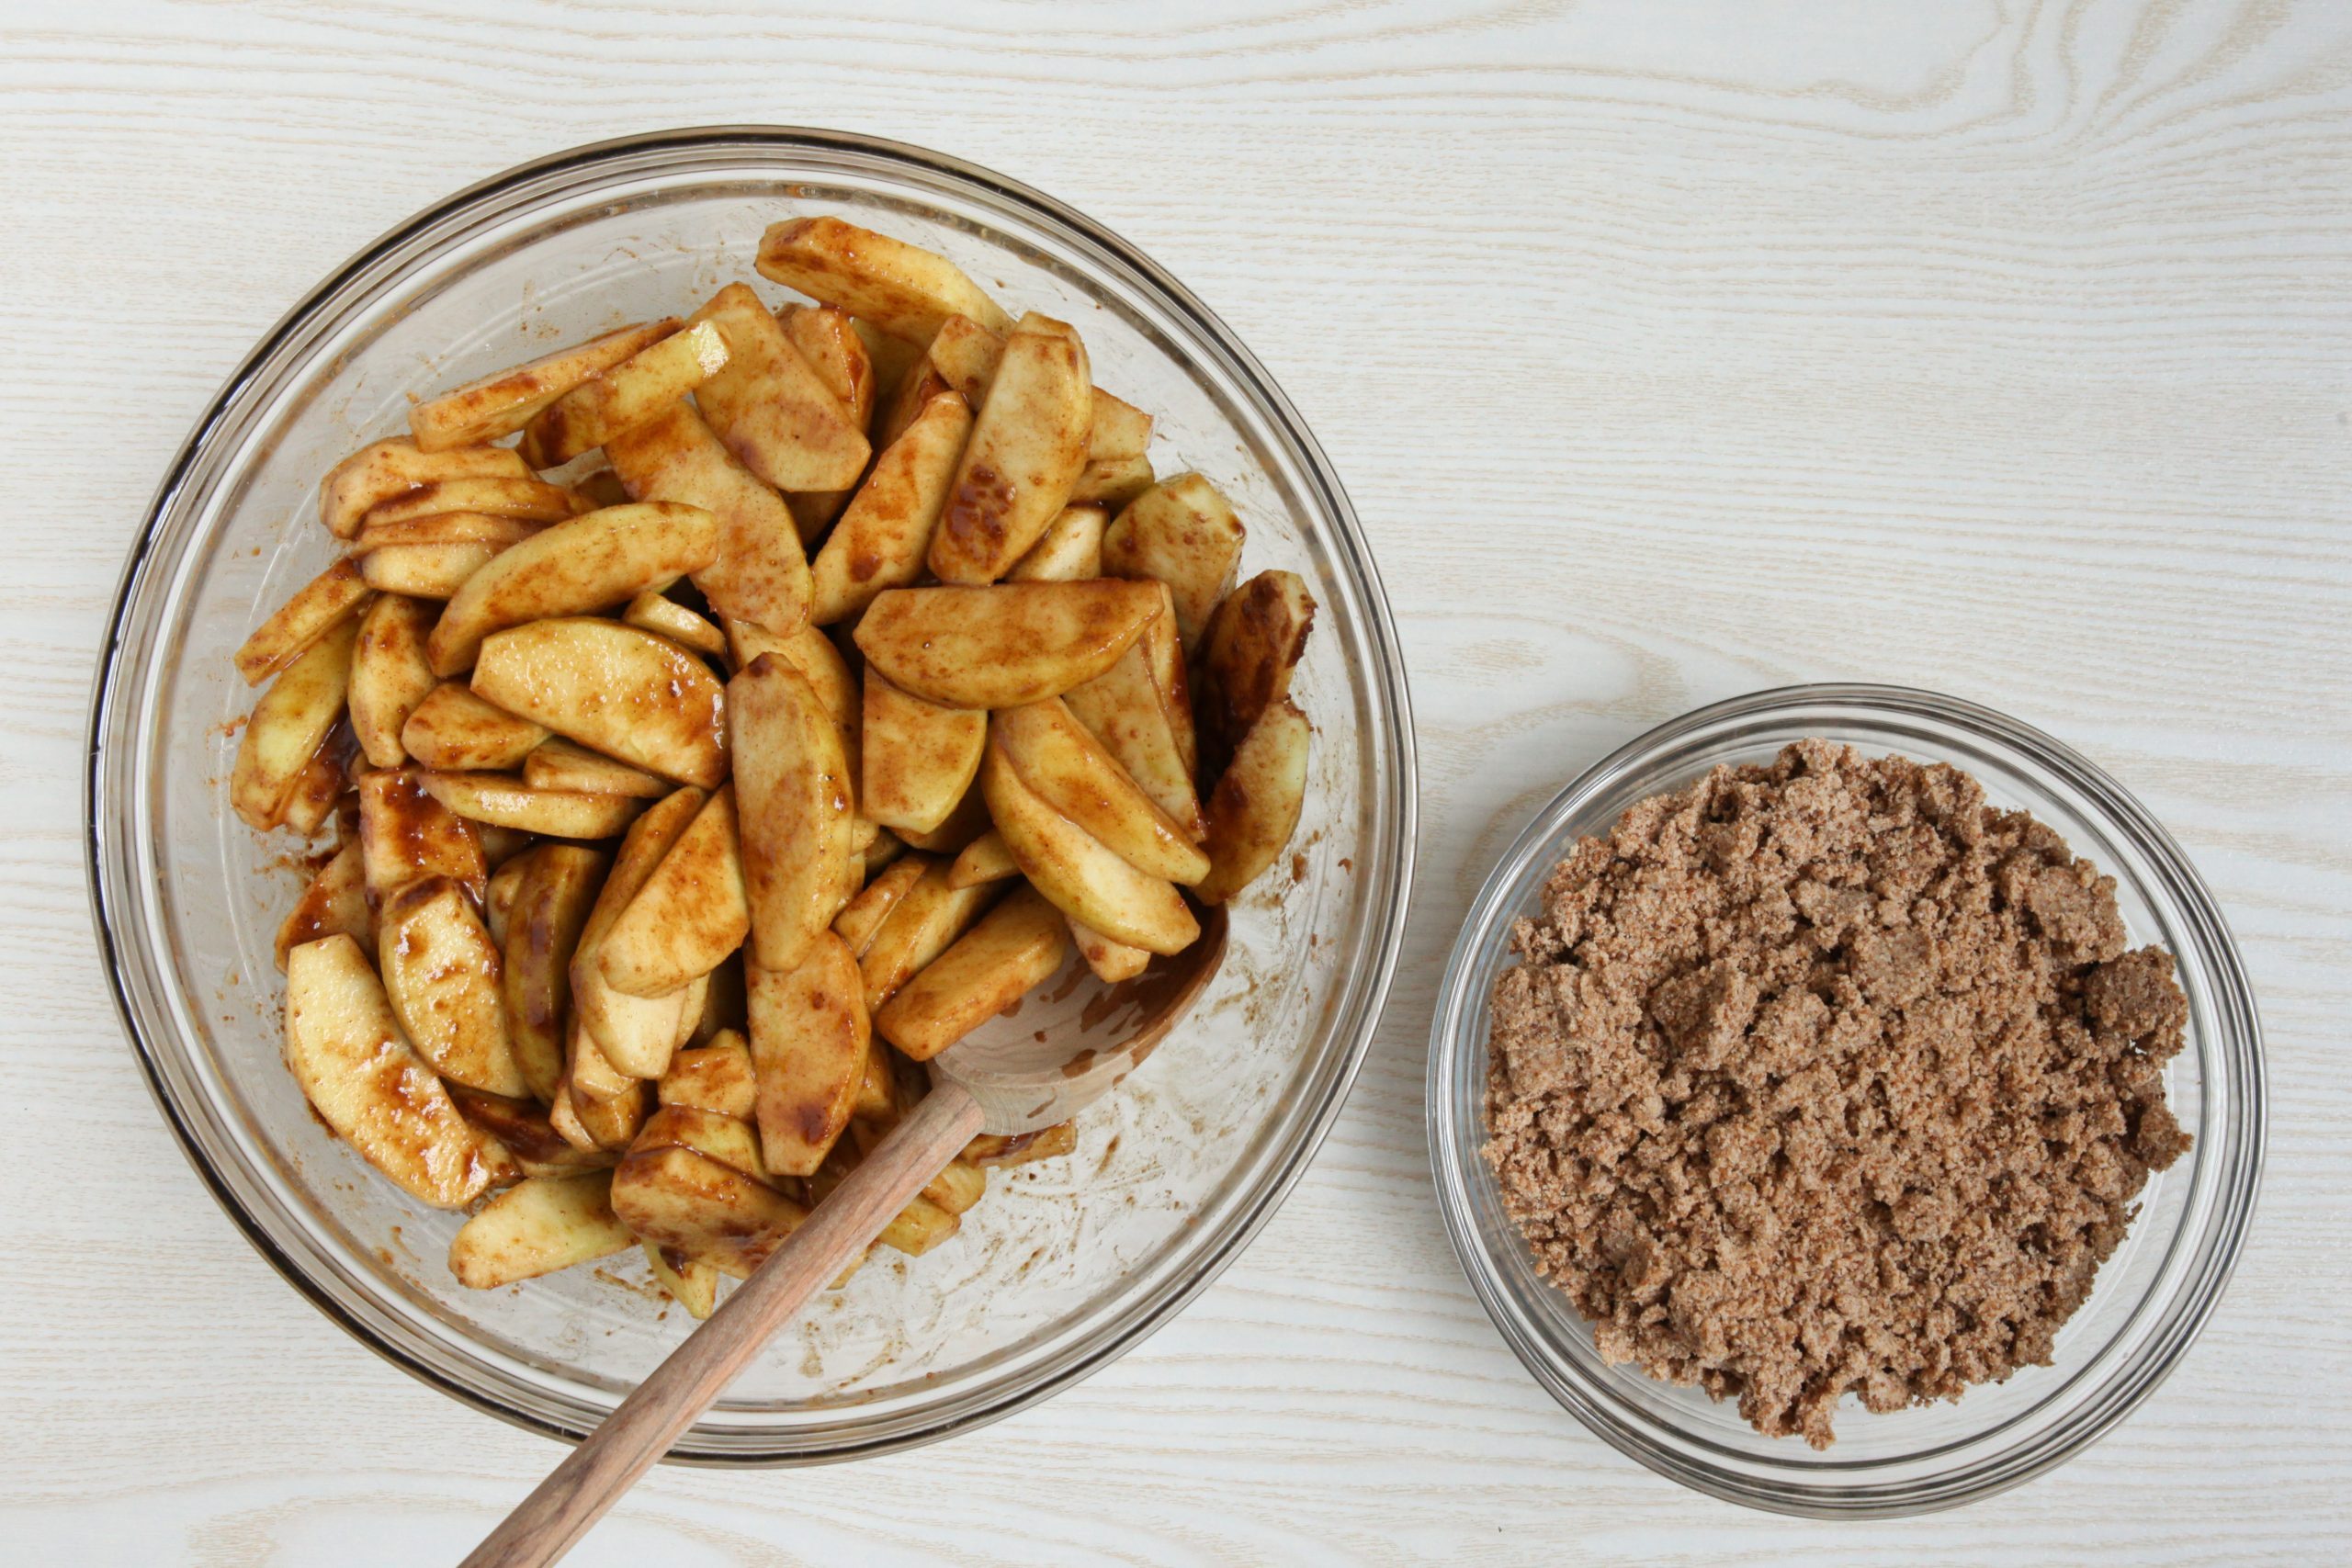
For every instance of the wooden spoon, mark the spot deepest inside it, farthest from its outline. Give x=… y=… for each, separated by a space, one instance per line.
x=1071 y=1042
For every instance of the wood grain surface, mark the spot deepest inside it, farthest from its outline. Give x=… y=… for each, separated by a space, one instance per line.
x=1669 y=349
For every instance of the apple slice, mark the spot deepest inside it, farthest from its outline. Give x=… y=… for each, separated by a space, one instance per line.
x=1110 y=960
x=407 y=539
x=966 y=354
x=592 y=562
x=1071 y=549
x=1182 y=532
x=288 y=725
x=1253 y=644
x=550 y=909
x=1119 y=431
x=771 y=408
x=623 y=397
x=877 y=1088
x=1006 y=644
x=829 y=340
x=658 y=613
x=809 y=1041
x=793 y=795
x=718 y=1076
x=405 y=836
x=958 y=1186
x=334 y=902
x=565 y=1120
x=1027 y=448
x=1084 y=878
x=490 y=498
x=812 y=653
x=1016 y=946
x=1071 y=772
x=983 y=861
x=390 y=676
x=317 y=788
x=1125 y=709
x=368 y=1083
x=681 y=1198
x=623 y=692
x=635 y=1035
x=883 y=535
x=538 y=1227
x=609 y=1122
x=1255 y=807
x=424 y=571
x=692 y=1282
x=863 y=915
x=1163 y=655
x=1111 y=482
x=761 y=571
x=590 y=1072
x=558 y=763
x=922 y=924
x=382 y=470
x=688 y=915
x=442 y=973
x=453 y=730
x=904 y=290
x=996 y=1151
x=497 y=799
x=730 y=1140
x=498 y=898
x=919 y=757
x=503 y=403
x=317 y=607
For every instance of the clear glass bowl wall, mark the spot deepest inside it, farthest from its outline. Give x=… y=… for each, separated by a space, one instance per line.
x=2150 y=1297
x=1065 y=1263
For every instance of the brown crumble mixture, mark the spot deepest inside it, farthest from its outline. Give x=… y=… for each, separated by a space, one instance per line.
x=1825 y=1076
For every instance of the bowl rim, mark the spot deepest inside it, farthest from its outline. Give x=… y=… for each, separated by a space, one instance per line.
x=1386 y=676
x=2238 y=1050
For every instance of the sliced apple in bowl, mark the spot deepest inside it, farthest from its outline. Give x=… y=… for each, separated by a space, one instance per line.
x=1083 y=877
x=627 y=694
x=368 y=1083
x=1071 y=771
x=1004 y=644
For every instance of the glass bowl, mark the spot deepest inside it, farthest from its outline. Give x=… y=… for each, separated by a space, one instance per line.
x=2150 y=1297
x=1067 y=1263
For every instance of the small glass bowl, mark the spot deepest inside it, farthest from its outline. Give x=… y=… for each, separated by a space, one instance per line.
x=1065 y=1264
x=2150 y=1297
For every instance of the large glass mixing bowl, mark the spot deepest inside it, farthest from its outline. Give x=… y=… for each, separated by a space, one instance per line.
x=1065 y=1264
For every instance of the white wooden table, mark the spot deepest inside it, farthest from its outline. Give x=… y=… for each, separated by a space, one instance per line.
x=1669 y=351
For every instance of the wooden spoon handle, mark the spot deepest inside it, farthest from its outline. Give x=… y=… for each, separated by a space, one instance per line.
x=552 y=1520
